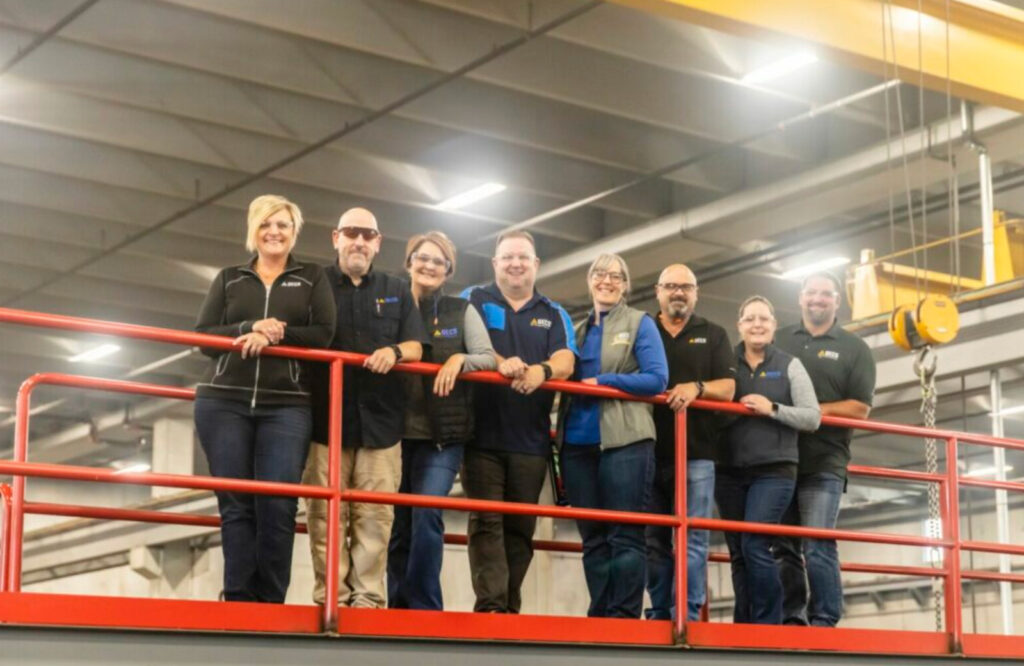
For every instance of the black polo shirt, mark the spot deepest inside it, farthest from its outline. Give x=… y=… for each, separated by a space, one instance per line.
x=378 y=312
x=841 y=368
x=699 y=352
x=506 y=420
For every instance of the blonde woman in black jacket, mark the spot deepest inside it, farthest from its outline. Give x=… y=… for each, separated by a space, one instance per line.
x=252 y=412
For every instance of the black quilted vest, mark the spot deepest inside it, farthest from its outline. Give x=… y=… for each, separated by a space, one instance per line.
x=451 y=418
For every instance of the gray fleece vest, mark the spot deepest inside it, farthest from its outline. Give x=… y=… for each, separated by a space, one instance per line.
x=622 y=421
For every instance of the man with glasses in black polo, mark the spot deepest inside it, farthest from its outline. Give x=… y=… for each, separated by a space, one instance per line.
x=843 y=373
x=376 y=316
x=701 y=364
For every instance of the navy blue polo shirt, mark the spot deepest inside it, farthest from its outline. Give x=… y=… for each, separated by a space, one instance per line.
x=506 y=420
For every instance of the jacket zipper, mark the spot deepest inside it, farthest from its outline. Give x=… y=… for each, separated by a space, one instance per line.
x=256 y=383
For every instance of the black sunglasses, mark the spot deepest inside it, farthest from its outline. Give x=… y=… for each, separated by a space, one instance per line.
x=352 y=233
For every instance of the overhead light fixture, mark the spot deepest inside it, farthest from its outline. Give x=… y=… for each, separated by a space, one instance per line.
x=95 y=353
x=989 y=470
x=807 y=269
x=471 y=196
x=1009 y=411
x=780 y=68
x=134 y=468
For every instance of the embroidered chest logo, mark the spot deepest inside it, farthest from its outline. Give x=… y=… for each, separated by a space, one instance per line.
x=770 y=374
x=540 y=323
x=387 y=299
x=621 y=338
x=446 y=333
x=293 y=283
x=831 y=355
x=698 y=341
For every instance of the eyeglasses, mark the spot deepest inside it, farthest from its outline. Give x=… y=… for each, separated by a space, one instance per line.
x=277 y=224
x=614 y=278
x=823 y=293
x=684 y=287
x=438 y=262
x=352 y=233
x=759 y=319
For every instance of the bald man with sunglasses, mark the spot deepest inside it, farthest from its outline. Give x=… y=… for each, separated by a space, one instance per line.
x=376 y=316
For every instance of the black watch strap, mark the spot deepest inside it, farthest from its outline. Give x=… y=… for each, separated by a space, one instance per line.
x=700 y=388
x=398 y=352
x=548 y=372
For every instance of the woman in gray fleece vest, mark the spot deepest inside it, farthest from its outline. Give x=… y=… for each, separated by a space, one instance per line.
x=756 y=474
x=608 y=445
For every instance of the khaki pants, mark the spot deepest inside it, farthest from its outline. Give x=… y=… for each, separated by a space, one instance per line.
x=365 y=529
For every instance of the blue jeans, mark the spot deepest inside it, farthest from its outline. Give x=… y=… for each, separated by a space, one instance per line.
x=613 y=554
x=815 y=504
x=661 y=573
x=257 y=531
x=417 y=537
x=755 y=576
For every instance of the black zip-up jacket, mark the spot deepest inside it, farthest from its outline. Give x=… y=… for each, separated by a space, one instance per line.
x=300 y=297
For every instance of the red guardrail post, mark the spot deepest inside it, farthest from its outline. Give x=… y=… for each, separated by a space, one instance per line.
x=17 y=525
x=680 y=529
x=951 y=527
x=334 y=504
x=5 y=533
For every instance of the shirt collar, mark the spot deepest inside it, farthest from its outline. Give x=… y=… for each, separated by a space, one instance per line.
x=830 y=333
x=341 y=278
x=693 y=322
x=495 y=292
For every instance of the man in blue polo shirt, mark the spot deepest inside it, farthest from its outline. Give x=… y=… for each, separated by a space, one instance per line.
x=532 y=337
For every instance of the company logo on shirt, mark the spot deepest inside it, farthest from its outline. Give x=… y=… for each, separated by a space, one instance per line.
x=294 y=283
x=387 y=299
x=446 y=332
x=540 y=323
x=621 y=338
x=770 y=374
x=698 y=341
x=831 y=355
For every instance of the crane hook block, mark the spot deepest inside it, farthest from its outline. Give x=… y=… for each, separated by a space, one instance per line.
x=934 y=321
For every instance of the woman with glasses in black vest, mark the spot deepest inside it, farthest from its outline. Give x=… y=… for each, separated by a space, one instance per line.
x=756 y=473
x=438 y=421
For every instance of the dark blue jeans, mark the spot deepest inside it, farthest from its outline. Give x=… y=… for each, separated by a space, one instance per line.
x=613 y=554
x=417 y=537
x=661 y=573
x=257 y=531
x=815 y=504
x=742 y=495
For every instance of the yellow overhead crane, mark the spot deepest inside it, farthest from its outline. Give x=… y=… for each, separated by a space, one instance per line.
x=922 y=310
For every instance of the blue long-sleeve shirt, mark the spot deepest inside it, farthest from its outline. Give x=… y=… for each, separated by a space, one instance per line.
x=583 y=423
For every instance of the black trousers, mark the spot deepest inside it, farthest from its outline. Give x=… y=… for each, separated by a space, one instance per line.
x=501 y=545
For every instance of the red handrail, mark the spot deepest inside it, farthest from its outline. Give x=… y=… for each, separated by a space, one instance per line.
x=949 y=481
x=5 y=533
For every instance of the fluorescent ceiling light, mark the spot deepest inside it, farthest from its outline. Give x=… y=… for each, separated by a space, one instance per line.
x=471 y=196
x=807 y=269
x=990 y=470
x=134 y=469
x=1008 y=411
x=95 y=353
x=780 y=68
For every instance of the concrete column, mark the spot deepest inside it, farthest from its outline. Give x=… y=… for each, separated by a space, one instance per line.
x=173 y=449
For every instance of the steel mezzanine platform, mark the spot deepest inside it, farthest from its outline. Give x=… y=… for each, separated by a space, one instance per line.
x=59 y=629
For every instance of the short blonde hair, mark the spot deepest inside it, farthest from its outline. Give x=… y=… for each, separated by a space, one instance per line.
x=263 y=207
x=515 y=233
x=603 y=262
x=439 y=239
x=757 y=299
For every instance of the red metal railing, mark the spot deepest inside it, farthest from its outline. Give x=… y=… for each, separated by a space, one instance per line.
x=696 y=634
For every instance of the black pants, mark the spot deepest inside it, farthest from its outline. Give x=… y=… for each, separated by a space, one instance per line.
x=501 y=545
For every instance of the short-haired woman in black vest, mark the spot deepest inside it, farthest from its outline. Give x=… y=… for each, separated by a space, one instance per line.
x=756 y=474
x=607 y=446
x=438 y=421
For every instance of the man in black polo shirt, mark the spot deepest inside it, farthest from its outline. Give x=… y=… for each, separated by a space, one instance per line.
x=701 y=364
x=843 y=373
x=534 y=342
x=376 y=316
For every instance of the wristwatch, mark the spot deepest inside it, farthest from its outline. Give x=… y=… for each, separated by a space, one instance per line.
x=700 y=388
x=548 y=372
x=775 y=408
x=398 y=352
